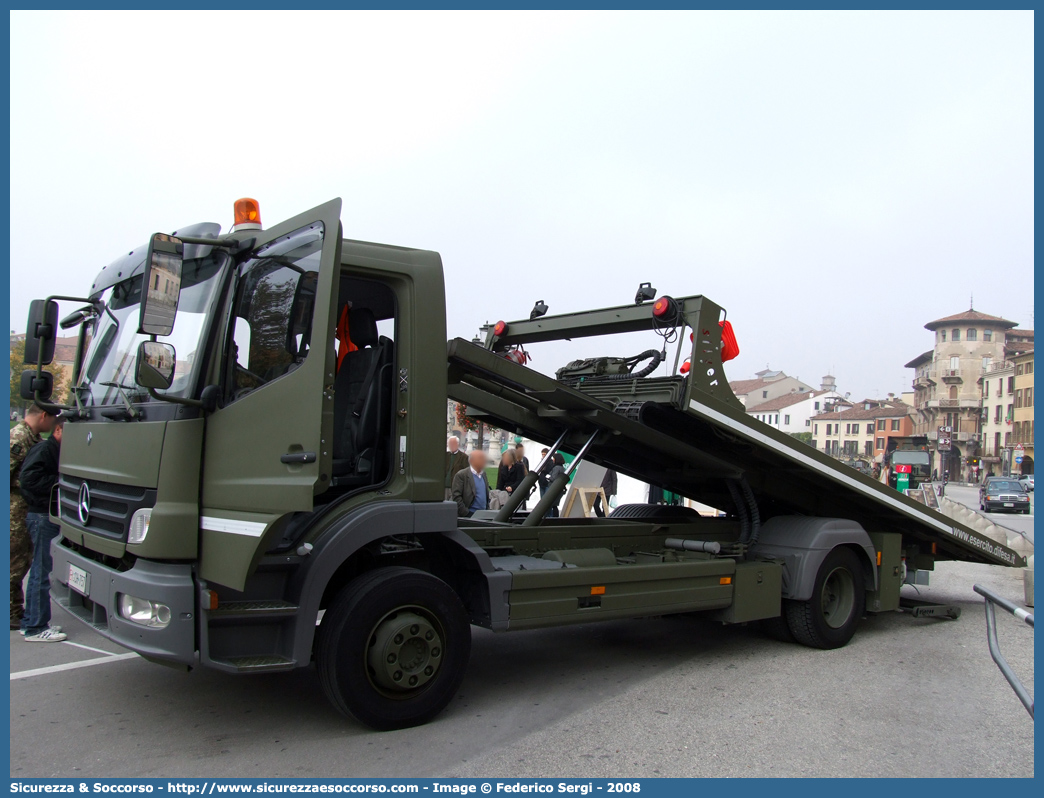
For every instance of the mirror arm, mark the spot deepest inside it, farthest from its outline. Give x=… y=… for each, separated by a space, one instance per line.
x=178 y=400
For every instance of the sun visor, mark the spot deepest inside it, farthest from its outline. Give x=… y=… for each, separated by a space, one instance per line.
x=133 y=262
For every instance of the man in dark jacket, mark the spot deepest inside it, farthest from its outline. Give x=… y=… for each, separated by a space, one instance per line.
x=608 y=486
x=470 y=486
x=38 y=476
x=456 y=461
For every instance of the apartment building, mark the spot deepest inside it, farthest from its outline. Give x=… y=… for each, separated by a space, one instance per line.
x=861 y=431
x=949 y=384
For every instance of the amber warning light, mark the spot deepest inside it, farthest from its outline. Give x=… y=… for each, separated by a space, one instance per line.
x=247 y=214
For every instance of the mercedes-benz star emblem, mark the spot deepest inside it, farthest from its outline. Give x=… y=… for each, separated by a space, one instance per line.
x=83 y=504
x=89 y=436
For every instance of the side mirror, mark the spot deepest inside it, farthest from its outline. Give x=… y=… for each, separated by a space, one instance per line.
x=40 y=332
x=161 y=287
x=31 y=383
x=155 y=367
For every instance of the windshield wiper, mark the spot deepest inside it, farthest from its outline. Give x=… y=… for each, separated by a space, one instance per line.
x=129 y=409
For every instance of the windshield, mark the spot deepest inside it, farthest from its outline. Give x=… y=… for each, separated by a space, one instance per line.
x=910 y=458
x=114 y=339
x=1001 y=485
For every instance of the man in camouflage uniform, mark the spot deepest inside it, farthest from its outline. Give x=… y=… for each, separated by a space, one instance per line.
x=24 y=435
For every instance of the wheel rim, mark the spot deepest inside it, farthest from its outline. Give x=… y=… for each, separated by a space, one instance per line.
x=838 y=597
x=405 y=652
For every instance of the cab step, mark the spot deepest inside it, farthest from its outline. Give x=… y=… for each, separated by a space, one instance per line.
x=253 y=609
x=255 y=664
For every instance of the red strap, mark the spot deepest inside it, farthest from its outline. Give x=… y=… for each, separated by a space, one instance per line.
x=344 y=339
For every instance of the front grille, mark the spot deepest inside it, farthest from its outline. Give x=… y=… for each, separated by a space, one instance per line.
x=112 y=505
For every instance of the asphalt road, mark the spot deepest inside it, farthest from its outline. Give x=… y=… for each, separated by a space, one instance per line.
x=644 y=698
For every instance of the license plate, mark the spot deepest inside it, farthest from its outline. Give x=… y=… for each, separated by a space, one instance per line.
x=79 y=580
x=1009 y=504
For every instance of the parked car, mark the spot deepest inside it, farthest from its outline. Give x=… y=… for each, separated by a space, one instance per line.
x=998 y=494
x=1026 y=480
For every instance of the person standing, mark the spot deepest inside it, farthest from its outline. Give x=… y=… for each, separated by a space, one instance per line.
x=608 y=486
x=543 y=475
x=456 y=461
x=557 y=470
x=24 y=436
x=520 y=457
x=512 y=472
x=37 y=479
x=523 y=462
x=470 y=486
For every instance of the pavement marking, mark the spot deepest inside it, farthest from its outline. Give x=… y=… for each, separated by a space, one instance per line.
x=70 y=666
x=90 y=648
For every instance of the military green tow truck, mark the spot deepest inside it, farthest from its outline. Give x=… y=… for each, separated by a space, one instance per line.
x=252 y=473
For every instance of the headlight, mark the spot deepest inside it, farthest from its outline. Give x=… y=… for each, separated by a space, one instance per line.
x=139 y=525
x=144 y=612
x=991 y=498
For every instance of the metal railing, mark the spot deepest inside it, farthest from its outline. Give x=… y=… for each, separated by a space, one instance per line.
x=991 y=636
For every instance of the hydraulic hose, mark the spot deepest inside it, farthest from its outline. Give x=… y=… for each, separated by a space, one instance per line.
x=741 y=509
x=755 y=515
x=654 y=357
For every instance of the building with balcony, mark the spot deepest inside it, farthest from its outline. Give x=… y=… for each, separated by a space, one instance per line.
x=998 y=405
x=949 y=387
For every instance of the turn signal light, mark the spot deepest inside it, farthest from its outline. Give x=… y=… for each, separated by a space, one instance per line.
x=725 y=580
x=500 y=328
x=210 y=599
x=598 y=591
x=247 y=214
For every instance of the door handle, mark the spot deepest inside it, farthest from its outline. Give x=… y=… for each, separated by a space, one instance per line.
x=297 y=458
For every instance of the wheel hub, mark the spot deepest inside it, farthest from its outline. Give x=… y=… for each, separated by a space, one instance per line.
x=405 y=652
x=838 y=598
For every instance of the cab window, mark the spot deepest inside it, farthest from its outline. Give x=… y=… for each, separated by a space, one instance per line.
x=274 y=305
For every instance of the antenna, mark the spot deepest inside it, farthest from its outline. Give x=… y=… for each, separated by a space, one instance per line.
x=971 y=302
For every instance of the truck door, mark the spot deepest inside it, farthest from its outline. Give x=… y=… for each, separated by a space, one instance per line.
x=265 y=455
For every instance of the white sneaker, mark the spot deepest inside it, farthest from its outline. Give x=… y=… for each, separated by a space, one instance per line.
x=55 y=628
x=48 y=635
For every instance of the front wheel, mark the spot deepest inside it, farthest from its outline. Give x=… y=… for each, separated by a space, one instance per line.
x=829 y=618
x=393 y=647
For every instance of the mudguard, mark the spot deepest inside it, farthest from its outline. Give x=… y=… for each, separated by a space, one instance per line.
x=802 y=543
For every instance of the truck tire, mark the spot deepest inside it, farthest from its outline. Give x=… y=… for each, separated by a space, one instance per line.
x=829 y=618
x=393 y=647
x=778 y=629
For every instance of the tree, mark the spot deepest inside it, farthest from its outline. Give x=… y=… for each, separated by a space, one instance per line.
x=18 y=365
x=469 y=423
x=804 y=437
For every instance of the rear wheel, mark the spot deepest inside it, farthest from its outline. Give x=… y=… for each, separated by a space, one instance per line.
x=829 y=618
x=393 y=647
x=778 y=629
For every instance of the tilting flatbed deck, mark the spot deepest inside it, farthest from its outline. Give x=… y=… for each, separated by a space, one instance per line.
x=689 y=434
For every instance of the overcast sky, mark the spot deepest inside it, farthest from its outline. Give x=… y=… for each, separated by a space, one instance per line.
x=835 y=180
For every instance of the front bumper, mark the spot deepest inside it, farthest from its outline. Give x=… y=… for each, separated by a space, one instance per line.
x=1005 y=507
x=170 y=584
